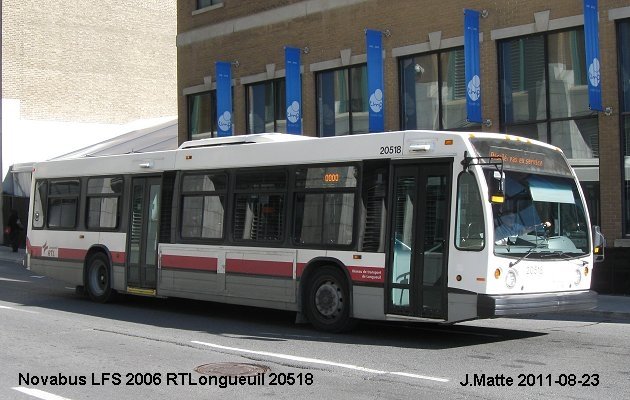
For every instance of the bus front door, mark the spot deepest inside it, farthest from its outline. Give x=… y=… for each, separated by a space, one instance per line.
x=143 y=235
x=419 y=240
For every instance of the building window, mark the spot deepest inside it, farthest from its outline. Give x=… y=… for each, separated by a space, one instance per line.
x=103 y=196
x=544 y=96
x=623 y=35
x=433 y=91
x=207 y=3
x=202 y=115
x=266 y=107
x=544 y=92
x=342 y=101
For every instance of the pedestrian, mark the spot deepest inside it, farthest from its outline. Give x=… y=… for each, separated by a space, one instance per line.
x=14 y=227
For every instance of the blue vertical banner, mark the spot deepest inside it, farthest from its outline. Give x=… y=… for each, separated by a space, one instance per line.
x=472 y=66
x=224 y=98
x=293 y=84
x=591 y=38
x=373 y=43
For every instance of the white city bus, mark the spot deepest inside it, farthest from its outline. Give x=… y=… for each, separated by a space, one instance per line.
x=395 y=226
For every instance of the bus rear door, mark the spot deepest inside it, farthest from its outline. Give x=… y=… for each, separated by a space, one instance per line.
x=142 y=240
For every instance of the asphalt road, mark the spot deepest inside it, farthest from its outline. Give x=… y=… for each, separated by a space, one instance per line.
x=55 y=345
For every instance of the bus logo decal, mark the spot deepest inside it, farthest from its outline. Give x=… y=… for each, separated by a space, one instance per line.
x=52 y=252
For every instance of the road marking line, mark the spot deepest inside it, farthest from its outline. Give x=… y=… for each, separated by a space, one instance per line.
x=408 y=375
x=295 y=336
x=40 y=394
x=17 y=309
x=37 y=276
x=317 y=361
x=13 y=280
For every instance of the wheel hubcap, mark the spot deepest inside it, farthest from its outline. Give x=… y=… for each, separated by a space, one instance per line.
x=99 y=279
x=328 y=299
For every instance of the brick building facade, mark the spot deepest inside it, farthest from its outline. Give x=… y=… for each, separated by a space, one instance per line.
x=108 y=62
x=533 y=78
x=80 y=70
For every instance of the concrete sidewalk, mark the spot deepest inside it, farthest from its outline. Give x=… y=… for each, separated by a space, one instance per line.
x=608 y=306
x=7 y=255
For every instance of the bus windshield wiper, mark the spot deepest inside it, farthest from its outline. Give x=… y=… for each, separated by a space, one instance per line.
x=530 y=251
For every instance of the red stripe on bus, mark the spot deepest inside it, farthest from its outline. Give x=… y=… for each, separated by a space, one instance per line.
x=36 y=251
x=118 y=257
x=187 y=262
x=260 y=267
x=300 y=269
x=72 y=254
x=366 y=274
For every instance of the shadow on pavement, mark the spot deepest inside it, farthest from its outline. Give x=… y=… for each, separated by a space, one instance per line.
x=17 y=285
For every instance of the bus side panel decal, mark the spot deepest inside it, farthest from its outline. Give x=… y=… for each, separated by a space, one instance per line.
x=188 y=262
x=366 y=274
x=46 y=251
x=259 y=267
x=118 y=257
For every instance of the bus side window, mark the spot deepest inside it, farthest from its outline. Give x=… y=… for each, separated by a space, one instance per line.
x=39 y=204
x=469 y=229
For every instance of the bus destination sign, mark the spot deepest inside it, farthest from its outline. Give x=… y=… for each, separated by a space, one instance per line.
x=523 y=156
x=518 y=157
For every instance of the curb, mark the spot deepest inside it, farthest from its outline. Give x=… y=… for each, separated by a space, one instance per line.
x=609 y=314
x=10 y=258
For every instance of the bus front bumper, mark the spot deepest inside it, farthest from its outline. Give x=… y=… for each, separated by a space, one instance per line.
x=489 y=306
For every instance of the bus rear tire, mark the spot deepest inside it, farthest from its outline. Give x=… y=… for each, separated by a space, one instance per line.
x=98 y=278
x=327 y=304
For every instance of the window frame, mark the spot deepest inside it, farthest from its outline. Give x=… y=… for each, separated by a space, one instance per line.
x=213 y=115
x=212 y=3
x=219 y=193
x=277 y=111
x=481 y=204
x=235 y=192
x=624 y=124
x=118 y=196
x=76 y=197
x=549 y=120
x=440 y=81
x=356 y=191
x=44 y=210
x=318 y=74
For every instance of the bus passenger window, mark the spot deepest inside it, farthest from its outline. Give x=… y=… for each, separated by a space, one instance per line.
x=469 y=229
x=39 y=204
x=63 y=200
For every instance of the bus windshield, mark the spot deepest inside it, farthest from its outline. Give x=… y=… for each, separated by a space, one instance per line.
x=542 y=217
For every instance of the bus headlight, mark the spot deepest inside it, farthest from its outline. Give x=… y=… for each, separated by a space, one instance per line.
x=510 y=279
x=578 y=277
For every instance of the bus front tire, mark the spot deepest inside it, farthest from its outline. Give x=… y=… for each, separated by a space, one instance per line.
x=98 y=278
x=328 y=301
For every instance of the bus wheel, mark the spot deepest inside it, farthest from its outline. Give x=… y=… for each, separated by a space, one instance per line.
x=328 y=301
x=98 y=282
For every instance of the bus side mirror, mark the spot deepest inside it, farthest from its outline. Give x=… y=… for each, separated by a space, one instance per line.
x=496 y=188
x=599 y=243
